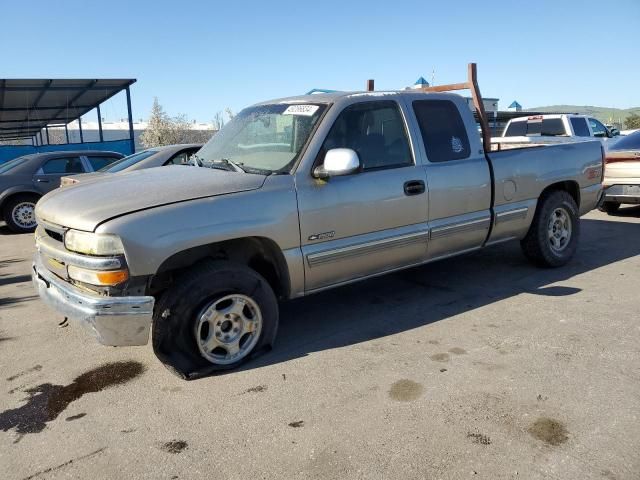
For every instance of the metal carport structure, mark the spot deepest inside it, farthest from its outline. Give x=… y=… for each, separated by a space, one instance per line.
x=29 y=107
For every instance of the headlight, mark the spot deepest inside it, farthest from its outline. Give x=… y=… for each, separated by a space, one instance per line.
x=93 y=243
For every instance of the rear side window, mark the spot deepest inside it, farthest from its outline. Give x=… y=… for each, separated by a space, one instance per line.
x=580 y=128
x=100 y=162
x=443 y=131
x=62 y=165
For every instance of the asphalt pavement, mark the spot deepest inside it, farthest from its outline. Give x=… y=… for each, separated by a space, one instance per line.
x=480 y=366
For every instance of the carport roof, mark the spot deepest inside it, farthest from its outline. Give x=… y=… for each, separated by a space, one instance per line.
x=29 y=105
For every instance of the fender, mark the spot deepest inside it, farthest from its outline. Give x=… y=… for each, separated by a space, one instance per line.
x=25 y=188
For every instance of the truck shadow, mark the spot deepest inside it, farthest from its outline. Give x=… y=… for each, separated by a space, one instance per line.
x=423 y=295
x=628 y=211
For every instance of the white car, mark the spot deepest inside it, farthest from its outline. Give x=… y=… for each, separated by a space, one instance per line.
x=551 y=129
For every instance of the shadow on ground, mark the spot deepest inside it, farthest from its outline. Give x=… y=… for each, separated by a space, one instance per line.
x=627 y=211
x=11 y=279
x=420 y=296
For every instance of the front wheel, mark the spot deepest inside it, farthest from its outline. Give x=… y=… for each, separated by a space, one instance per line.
x=19 y=213
x=553 y=236
x=214 y=317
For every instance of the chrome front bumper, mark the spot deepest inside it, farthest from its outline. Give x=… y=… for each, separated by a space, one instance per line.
x=117 y=321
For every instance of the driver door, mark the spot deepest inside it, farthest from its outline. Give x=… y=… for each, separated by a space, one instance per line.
x=371 y=221
x=48 y=176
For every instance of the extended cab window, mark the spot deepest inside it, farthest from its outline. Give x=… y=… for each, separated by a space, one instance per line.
x=580 y=128
x=57 y=166
x=443 y=131
x=376 y=131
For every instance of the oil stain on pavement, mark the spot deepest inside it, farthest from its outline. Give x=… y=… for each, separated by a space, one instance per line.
x=549 y=431
x=174 y=446
x=440 y=357
x=405 y=390
x=47 y=401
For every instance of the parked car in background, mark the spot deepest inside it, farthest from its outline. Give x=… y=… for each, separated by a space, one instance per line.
x=551 y=129
x=622 y=173
x=292 y=197
x=613 y=129
x=25 y=179
x=149 y=158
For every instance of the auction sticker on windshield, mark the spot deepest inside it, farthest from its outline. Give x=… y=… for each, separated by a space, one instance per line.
x=306 y=110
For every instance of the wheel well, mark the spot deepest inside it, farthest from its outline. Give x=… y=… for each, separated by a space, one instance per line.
x=4 y=201
x=258 y=253
x=569 y=186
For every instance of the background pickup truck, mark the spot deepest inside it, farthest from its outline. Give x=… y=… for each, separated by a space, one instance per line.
x=550 y=129
x=292 y=197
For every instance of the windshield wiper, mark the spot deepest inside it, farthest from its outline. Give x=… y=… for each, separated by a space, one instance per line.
x=230 y=166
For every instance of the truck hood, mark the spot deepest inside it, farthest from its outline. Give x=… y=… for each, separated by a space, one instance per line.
x=86 y=205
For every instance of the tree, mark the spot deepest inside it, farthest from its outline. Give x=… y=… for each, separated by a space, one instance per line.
x=218 y=121
x=632 y=121
x=164 y=130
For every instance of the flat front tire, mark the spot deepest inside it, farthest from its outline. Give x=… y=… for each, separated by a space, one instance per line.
x=215 y=316
x=553 y=236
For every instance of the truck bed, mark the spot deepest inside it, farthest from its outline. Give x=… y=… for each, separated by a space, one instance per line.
x=521 y=175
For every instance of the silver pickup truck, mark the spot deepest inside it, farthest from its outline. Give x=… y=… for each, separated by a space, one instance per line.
x=292 y=197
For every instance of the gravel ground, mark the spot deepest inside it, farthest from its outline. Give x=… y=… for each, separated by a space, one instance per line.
x=480 y=366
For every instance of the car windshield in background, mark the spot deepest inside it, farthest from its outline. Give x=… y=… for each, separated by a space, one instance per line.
x=263 y=139
x=630 y=142
x=126 y=162
x=5 y=167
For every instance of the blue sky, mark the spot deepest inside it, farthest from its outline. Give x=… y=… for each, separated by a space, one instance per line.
x=199 y=57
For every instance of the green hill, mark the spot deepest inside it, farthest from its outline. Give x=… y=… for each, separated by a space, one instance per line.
x=604 y=114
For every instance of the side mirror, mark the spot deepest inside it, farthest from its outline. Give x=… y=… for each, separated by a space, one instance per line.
x=338 y=162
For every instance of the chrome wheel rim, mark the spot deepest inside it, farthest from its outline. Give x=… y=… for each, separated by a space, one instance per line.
x=24 y=214
x=559 y=230
x=228 y=328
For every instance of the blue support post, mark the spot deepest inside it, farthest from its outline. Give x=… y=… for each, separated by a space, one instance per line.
x=66 y=132
x=131 y=137
x=100 y=124
x=80 y=126
x=46 y=129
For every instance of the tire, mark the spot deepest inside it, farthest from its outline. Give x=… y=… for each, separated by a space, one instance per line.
x=192 y=313
x=545 y=244
x=610 y=207
x=19 y=213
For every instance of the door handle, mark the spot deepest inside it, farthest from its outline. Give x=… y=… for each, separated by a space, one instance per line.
x=414 y=187
x=42 y=180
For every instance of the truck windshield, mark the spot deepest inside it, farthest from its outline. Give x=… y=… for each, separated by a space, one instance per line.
x=264 y=138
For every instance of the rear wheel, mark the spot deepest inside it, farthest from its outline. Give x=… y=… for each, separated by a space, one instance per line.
x=610 y=207
x=19 y=213
x=215 y=317
x=553 y=236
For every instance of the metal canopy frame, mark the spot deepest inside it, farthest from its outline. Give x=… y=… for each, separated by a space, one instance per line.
x=29 y=106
